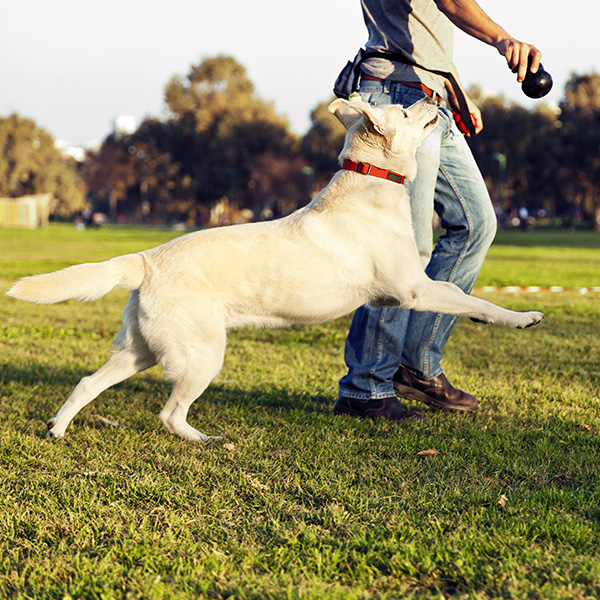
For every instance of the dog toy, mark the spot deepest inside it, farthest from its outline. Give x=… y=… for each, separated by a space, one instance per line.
x=538 y=84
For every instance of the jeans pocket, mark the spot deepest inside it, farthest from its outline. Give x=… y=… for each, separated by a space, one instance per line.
x=405 y=95
x=375 y=92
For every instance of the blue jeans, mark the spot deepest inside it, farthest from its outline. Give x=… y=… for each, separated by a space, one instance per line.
x=449 y=182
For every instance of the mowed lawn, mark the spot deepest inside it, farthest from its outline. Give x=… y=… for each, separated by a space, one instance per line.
x=294 y=502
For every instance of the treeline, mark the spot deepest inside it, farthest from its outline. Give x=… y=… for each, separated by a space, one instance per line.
x=222 y=154
x=544 y=160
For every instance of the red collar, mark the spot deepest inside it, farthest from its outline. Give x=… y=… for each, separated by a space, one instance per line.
x=367 y=169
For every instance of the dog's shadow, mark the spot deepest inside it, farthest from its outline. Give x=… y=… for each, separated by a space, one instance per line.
x=33 y=392
x=38 y=391
x=266 y=397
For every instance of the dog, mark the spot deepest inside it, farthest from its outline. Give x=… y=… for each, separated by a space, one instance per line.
x=352 y=244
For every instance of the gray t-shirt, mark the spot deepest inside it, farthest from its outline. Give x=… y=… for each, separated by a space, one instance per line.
x=418 y=31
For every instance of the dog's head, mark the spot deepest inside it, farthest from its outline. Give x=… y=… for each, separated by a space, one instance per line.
x=385 y=135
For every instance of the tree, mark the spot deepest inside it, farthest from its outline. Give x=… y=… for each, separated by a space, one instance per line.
x=512 y=152
x=580 y=144
x=323 y=143
x=110 y=172
x=551 y=158
x=163 y=192
x=220 y=129
x=30 y=164
x=278 y=185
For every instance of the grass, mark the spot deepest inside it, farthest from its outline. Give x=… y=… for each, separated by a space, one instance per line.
x=551 y=258
x=296 y=503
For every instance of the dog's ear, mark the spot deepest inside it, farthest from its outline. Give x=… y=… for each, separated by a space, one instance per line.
x=346 y=112
x=349 y=113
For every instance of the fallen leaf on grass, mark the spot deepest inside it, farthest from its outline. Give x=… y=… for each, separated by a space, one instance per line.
x=255 y=483
x=585 y=427
x=258 y=485
x=109 y=421
x=229 y=446
x=430 y=452
x=502 y=502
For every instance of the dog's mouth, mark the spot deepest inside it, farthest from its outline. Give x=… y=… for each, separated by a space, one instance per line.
x=431 y=123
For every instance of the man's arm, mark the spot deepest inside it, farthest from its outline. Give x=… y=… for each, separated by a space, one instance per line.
x=469 y=16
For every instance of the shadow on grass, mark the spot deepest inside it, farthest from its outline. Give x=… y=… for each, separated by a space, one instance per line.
x=560 y=450
x=530 y=458
x=153 y=390
x=45 y=388
x=36 y=374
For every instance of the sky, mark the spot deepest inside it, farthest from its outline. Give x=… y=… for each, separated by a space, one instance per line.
x=74 y=65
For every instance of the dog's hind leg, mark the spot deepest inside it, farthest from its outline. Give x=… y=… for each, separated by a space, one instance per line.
x=191 y=368
x=120 y=366
x=131 y=355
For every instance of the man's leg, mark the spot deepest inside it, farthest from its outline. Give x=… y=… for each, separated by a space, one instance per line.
x=376 y=337
x=467 y=216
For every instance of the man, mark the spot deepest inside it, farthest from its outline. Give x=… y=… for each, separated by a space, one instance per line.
x=392 y=352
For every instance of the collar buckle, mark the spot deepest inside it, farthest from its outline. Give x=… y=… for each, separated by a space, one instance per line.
x=364 y=168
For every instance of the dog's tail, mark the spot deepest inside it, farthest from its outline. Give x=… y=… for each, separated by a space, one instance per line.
x=85 y=282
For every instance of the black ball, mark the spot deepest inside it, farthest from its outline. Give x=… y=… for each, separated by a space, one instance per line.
x=536 y=85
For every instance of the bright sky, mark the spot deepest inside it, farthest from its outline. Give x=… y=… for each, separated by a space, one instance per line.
x=73 y=65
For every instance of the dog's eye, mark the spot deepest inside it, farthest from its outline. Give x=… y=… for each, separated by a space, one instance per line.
x=405 y=114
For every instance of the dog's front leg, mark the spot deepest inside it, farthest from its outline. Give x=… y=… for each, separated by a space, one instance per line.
x=444 y=297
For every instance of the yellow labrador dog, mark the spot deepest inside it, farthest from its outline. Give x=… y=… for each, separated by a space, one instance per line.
x=352 y=244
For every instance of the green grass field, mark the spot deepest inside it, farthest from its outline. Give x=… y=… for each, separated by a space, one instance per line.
x=294 y=502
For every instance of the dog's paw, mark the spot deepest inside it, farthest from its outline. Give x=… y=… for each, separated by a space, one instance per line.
x=187 y=432
x=51 y=433
x=531 y=319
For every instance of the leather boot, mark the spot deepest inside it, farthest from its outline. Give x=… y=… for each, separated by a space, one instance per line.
x=437 y=392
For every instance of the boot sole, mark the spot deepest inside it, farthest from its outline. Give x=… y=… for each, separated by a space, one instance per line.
x=346 y=411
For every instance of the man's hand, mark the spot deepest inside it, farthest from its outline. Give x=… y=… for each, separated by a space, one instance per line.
x=517 y=56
